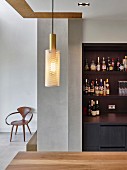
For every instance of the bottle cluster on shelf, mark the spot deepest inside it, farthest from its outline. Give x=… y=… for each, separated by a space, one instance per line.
x=122 y=88
x=109 y=64
x=94 y=88
x=93 y=108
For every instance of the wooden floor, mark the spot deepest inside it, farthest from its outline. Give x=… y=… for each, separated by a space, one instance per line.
x=69 y=161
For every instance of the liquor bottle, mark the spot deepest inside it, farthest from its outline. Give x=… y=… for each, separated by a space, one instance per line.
x=113 y=63
x=122 y=64
x=101 y=88
x=103 y=65
x=88 y=86
x=93 y=66
x=117 y=64
x=98 y=64
x=85 y=87
x=97 y=108
x=108 y=63
x=107 y=87
x=111 y=67
x=89 y=108
x=92 y=92
x=96 y=88
x=125 y=63
x=104 y=90
x=94 y=109
x=86 y=65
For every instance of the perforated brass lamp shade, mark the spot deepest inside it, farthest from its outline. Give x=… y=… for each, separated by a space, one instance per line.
x=52 y=64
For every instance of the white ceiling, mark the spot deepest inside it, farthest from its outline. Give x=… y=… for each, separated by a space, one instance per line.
x=98 y=9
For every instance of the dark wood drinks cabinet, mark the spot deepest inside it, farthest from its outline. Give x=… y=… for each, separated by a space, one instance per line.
x=108 y=131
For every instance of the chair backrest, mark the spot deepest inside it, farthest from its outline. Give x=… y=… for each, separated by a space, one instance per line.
x=24 y=111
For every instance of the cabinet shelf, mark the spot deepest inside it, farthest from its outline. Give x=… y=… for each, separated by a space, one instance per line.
x=108 y=118
x=108 y=96
x=104 y=73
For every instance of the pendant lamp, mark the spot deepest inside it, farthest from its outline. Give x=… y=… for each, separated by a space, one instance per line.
x=52 y=60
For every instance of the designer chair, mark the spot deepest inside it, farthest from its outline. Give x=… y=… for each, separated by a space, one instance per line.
x=25 y=112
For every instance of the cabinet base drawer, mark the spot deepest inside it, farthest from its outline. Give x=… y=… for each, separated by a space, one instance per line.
x=91 y=149
x=112 y=149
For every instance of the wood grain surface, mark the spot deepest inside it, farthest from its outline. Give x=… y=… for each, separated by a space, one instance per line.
x=69 y=161
x=23 y=8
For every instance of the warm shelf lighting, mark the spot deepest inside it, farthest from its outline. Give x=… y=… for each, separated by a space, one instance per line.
x=52 y=61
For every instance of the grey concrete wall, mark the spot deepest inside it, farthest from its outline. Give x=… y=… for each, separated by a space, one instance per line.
x=52 y=102
x=59 y=108
x=75 y=85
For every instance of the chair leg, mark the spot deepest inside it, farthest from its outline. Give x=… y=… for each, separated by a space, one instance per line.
x=29 y=129
x=16 y=129
x=24 y=132
x=11 y=132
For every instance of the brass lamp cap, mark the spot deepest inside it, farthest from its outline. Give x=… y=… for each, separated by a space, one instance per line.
x=52 y=41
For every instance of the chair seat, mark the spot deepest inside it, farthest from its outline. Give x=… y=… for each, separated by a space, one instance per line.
x=19 y=122
x=23 y=111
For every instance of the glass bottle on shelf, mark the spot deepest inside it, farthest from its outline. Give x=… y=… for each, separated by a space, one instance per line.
x=125 y=90
x=120 y=88
x=101 y=88
x=117 y=64
x=85 y=87
x=92 y=92
x=96 y=87
x=111 y=68
x=94 y=109
x=93 y=66
x=88 y=86
x=98 y=64
x=108 y=63
x=89 y=108
x=112 y=64
x=125 y=63
x=86 y=67
x=97 y=108
x=103 y=65
x=107 y=87
x=121 y=67
x=104 y=90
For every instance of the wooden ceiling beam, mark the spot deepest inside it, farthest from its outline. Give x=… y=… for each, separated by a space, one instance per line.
x=23 y=8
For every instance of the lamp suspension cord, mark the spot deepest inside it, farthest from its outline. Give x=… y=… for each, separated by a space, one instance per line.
x=52 y=15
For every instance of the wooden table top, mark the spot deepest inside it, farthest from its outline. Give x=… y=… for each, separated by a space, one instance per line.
x=69 y=161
